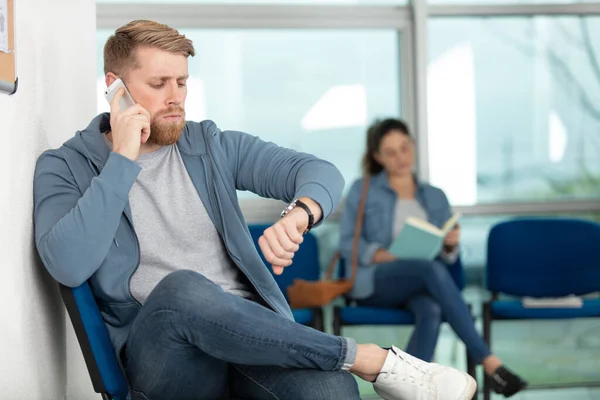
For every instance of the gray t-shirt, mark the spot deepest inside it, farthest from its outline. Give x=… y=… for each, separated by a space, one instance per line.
x=174 y=229
x=406 y=208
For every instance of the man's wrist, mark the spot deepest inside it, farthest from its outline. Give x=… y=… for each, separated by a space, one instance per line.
x=305 y=211
x=124 y=153
x=314 y=207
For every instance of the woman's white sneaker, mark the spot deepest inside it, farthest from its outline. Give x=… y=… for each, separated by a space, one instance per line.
x=404 y=377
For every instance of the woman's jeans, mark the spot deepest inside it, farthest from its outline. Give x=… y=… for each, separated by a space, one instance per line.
x=192 y=340
x=427 y=289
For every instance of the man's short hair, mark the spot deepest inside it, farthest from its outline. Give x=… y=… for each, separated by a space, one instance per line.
x=120 y=50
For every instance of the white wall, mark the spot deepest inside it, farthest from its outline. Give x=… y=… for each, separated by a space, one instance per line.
x=56 y=63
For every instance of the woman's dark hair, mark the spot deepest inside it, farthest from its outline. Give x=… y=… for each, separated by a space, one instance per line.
x=375 y=133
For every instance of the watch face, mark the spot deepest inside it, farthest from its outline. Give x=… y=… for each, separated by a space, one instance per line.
x=289 y=208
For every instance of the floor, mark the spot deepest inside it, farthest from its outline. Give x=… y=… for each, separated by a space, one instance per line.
x=543 y=352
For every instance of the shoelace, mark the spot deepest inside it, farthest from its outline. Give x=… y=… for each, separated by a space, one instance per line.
x=415 y=366
x=425 y=375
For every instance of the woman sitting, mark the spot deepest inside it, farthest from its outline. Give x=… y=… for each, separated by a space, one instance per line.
x=426 y=288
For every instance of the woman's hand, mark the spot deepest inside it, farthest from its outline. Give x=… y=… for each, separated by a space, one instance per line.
x=453 y=238
x=383 y=256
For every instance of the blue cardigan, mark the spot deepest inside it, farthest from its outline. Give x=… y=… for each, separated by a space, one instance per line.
x=83 y=223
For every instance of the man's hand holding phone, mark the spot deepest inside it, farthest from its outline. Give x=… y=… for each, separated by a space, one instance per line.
x=129 y=128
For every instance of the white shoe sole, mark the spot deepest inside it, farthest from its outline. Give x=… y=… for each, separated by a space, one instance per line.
x=467 y=394
x=471 y=388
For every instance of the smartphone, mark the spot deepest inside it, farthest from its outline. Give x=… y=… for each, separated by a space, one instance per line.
x=126 y=101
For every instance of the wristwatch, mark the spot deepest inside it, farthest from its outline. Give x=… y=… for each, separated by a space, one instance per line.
x=299 y=203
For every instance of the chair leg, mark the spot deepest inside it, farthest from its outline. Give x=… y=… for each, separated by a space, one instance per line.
x=487 y=336
x=471 y=370
x=317 y=321
x=337 y=321
x=471 y=367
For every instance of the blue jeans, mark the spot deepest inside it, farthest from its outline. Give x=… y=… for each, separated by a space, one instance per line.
x=192 y=340
x=427 y=289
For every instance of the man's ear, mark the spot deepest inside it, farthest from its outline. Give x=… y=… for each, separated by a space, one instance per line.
x=110 y=78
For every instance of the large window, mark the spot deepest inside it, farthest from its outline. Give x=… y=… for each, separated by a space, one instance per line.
x=514 y=108
x=311 y=90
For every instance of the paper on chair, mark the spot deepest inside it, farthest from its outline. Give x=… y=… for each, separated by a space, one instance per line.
x=4 y=26
x=571 y=301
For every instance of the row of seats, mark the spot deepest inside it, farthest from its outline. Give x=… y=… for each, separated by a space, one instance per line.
x=537 y=257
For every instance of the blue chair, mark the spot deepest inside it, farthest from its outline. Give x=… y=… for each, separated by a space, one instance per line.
x=541 y=257
x=306 y=266
x=353 y=315
x=92 y=335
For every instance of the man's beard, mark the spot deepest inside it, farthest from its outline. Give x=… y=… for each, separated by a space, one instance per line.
x=166 y=133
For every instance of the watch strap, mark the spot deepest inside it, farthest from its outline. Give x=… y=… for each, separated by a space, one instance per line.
x=311 y=217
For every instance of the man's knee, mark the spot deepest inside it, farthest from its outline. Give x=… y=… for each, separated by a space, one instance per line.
x=184 y=286
x=182 y=277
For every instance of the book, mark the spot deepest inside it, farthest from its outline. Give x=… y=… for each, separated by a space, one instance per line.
x=421 y=240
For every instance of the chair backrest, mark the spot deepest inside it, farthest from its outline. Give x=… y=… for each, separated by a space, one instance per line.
x=305 y=264
x=544 y=257
x=456 y=271
x=94 y=341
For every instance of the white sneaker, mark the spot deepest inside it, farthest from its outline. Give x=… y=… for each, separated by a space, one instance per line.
x=404 y=377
